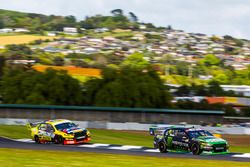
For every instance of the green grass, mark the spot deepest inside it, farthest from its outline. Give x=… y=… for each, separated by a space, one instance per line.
x=119 y=137
x=105 y=136
x=81 y=78
x=240 y=149
x=13 y=131
x=17 y=157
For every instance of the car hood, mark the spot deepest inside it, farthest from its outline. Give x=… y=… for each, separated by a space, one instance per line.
x=211 y=140
x=73 y=130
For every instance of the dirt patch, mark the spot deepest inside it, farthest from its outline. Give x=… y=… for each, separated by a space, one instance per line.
x=237 y=140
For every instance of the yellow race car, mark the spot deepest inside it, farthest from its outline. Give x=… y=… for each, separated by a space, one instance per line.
x=59 y=131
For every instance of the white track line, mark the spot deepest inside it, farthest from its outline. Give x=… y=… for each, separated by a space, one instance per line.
x=94 y=145
x=125 y=147
x=152 y=150
x=25 y=140
x=245 y=155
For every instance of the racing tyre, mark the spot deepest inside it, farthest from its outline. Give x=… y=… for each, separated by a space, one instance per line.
x=58 y=140
x=162 y=147
x=196 y=149
x=61 y=140
x=36 y=138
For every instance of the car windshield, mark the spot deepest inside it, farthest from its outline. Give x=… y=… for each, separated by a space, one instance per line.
x=65 y=125
x=198 y=133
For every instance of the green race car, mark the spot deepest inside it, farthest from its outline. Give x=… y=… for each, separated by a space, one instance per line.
x=183 y=139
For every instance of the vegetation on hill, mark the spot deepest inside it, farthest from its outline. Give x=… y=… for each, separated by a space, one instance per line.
x=38 y=22
x=135 y=84
x=130 y=85
x=35 y=22
x=125 y=81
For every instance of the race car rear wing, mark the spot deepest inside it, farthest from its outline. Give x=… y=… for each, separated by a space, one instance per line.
x=156 y=130
x=33 y=124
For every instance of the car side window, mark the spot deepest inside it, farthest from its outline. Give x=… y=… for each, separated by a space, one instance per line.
x=42 y=127
x=49 y=128
x=180 y=133
x=171 y=132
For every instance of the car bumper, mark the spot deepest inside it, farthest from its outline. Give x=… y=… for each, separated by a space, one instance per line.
x=218 y=150
x=75 y=141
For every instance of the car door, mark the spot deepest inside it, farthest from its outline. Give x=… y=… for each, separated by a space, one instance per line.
x=169 y=138
x=184 y=140
x=176 y=139
x=42 y=131
x=49 y=133
x=180 y=140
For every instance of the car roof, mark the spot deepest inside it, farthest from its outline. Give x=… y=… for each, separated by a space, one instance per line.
x=184 y=128
x=57 y=121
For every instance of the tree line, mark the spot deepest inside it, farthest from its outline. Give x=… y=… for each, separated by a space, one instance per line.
x=37 y=23
x=134 y=83
x=129 y=85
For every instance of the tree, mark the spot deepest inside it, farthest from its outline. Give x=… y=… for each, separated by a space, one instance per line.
x=169 y=27
x=19 y=49
x=117 y=12
x=183 y=90
x=135 y=61
x=70 y=19
x=182 y=68
x=58 y=61
x=31 y=87
x=2 y=63
x=128 y=87
x=214 y=89
x=1 y=24
x=210 y=60
x=133 y=17
x=245 y=111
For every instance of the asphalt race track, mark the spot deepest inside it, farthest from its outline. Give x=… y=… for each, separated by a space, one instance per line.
x=116 y=149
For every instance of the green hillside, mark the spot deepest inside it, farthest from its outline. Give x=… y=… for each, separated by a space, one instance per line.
x=34 y=22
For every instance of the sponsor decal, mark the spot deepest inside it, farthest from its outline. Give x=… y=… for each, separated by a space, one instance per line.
x=180 y=143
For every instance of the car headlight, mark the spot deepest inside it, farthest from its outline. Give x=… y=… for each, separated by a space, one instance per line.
x=207 y=144
x=68 y=134
x=88 y=133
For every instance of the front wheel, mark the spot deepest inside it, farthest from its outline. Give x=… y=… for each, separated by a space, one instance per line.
x=162 y=147
x=58 y=140
x=196 y=150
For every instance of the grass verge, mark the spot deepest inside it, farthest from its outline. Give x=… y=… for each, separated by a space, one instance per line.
x=17 y=157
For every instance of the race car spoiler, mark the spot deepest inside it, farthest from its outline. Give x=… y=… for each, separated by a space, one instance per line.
x=155 y=130
x=34 y=124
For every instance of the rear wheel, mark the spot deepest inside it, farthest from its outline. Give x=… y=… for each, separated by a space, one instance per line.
x=162 y=147
x=196 y=149
x=36 y=138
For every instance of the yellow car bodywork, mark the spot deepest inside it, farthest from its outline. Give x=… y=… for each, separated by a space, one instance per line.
x=46 y=131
